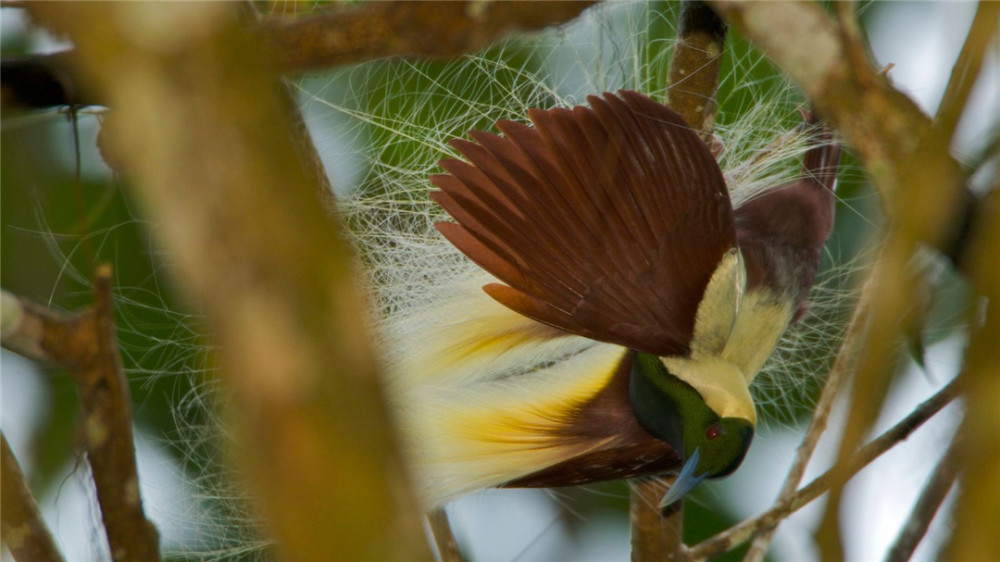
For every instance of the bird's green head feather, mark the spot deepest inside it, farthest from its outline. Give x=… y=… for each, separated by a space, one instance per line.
x=670 y=408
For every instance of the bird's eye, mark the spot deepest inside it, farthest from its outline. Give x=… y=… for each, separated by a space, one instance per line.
x=713 y=431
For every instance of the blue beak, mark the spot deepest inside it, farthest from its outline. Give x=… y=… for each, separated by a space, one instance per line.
x=686 y=481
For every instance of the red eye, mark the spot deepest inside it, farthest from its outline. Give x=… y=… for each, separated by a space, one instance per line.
x=713 y=431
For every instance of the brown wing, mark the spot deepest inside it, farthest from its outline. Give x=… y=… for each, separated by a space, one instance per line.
x=605 y=221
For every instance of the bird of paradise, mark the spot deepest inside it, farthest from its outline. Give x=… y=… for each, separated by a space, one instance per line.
x=620 y=309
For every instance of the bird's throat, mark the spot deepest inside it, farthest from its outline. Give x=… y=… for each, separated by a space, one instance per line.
x=661 y=402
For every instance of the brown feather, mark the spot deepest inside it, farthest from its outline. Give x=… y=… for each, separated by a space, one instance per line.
x=605 y=221
x=626 y=449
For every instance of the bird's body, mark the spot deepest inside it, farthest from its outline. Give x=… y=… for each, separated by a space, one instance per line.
x=620 y=299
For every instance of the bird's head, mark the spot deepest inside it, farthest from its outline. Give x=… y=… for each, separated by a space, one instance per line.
x=701 y=407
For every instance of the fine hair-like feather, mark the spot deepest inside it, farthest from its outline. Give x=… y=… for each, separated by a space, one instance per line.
x=491 y=396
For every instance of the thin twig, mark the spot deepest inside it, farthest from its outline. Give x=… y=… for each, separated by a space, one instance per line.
x=444 y=539
x=967 y=67
x=927 y=506
x=24 y=532
x=744 y=531
x=656 y=535
x=84 y=344
x=840 y=375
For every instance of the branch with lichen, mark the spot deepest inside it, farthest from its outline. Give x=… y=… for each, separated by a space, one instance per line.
x=85 y=345
x=24 y=532
x=694 y=66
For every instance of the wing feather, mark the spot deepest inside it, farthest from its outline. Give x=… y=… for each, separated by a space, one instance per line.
x=606 y=221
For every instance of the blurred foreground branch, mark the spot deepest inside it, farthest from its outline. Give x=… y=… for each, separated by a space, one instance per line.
x=891 y=135
x=259 y=254
x=967 y=67
x=337 y=36
x=921 y=186
x=979 y=452
x=362 y=32
x=85 y=345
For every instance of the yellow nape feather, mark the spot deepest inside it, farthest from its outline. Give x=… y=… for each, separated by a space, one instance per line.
x=762 y=319
x=735 y=332
x=721 y=383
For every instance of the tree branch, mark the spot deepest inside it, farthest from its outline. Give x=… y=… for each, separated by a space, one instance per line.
x=359 y=33
x=444 y=539
x=899 y=148
x=35 y=331
x=694 y=66
x=656 y=535
x=255 y=248
x=338 y=36
x=24 y=532
x=84 y=344
x=886 y=129
x=979 y=450
x=107 y=407
x=746 y=530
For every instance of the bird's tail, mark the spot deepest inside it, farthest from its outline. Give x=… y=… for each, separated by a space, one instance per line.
x=481 y=392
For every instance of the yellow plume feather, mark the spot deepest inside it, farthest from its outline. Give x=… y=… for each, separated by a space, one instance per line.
x=482 y=396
